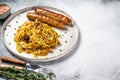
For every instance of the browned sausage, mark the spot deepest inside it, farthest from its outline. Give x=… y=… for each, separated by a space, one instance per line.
x=43 y=18
x=54 y=15
x=12 y=60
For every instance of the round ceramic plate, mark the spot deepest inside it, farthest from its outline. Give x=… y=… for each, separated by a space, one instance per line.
x=68 y=37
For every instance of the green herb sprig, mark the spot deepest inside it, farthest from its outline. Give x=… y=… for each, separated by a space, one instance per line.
x=12 y=73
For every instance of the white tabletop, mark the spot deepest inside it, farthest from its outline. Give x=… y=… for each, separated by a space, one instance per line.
x=98 y=54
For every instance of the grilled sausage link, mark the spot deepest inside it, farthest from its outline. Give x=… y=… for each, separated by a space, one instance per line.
x=54 y=15
x=43 y=18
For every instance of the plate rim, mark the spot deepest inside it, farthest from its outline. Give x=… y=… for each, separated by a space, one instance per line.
x=40 y=60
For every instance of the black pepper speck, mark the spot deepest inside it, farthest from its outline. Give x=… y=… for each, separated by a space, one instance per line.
x=9 y=43
x=9 y=25
x=16 y=21
x=60 y=50
x=65 y=41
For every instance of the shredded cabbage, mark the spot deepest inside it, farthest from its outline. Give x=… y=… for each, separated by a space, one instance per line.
x=37 y=38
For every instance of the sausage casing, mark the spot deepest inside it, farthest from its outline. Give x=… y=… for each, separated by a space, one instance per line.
x=33 y=16
x=54 y=15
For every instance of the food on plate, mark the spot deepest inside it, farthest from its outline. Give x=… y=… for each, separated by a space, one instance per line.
x=3 y=8
x=12 y=73
x=12 y=60
x=51 y=21
x=49 y=17
x=37 y=38
x=54 y=15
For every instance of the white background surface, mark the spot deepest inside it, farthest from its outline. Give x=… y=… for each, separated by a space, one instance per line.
x=98 y=54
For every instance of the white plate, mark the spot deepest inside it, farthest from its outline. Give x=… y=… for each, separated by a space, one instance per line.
x=68 y=39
